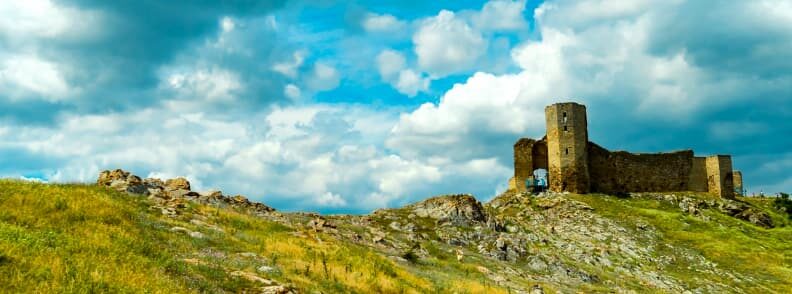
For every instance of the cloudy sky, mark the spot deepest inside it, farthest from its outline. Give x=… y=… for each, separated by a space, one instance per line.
x=342 y=106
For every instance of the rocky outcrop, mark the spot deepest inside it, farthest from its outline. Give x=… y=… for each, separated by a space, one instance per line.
x=171 y=194
x=733 y=208
x=457 y=209
x=122 y=181
x=177 y=183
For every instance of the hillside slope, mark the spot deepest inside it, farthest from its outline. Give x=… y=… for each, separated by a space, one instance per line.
x=90 y=238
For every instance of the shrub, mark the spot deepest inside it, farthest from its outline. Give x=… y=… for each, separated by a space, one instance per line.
x=783 y=203
x=410 y=256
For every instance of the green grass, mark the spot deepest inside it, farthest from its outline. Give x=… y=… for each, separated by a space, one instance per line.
x=85 y=239
x=736 y=246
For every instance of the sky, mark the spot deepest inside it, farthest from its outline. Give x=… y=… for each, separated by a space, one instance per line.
x=349 y=106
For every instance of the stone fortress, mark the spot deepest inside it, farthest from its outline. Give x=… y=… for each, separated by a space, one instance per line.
x=575 y=164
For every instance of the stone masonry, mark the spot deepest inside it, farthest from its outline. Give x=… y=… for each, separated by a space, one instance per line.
x=576 y=165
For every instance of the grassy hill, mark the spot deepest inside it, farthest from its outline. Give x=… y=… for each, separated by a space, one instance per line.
x=87 y=238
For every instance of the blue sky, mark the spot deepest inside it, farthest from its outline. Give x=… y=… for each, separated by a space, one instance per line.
x=340 y=106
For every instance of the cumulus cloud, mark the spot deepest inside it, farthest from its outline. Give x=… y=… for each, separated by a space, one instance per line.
x=446 y=44
x=289 y=68
x=46 y=19
x=390 y=62
x=29 y=77
x=292 y=91
x=382 y=23
x=110 y=56
x=213 y=84
x=289 y=157
x=501 y=15
x=393 y=69
x=323 y=77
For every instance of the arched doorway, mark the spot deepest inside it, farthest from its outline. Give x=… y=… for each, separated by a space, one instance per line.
x=540 y=180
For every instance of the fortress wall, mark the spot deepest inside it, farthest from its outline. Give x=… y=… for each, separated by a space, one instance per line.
x=738 y=182
x=719 y=176
x=523 y=158
x=612 y=172
x=698 y=175
x=529 y=155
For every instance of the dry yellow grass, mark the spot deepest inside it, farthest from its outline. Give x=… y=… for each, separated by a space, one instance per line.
x=84 y=238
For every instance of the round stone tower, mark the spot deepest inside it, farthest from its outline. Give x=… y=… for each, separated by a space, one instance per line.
x=567 y=147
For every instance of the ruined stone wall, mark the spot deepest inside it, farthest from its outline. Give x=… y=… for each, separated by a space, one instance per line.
x=614 y=172
x=698 y=175
x=523 y=158
x=719 y=176
x=540 y=154
x=576 y=165
x=567 y=141
x=529 y=155
x=738 y=182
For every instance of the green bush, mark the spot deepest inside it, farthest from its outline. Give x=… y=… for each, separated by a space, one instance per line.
x=784 y=204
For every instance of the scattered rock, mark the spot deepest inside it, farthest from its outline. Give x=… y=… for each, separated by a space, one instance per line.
x=196 y=235
x=536 y=289
x=194 y=261
x=460 y=255
x=320 y=224
x=265 y=269
x=251 y=277
x=180 y=230
x=278 y=289
x=170 y=194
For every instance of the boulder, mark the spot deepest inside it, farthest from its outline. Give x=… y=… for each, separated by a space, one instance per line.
x=457 y=209
x=177 y=183
x=107 y=177
x=122 y=181
x=154 y=183
x=211 y=194
x=181 y=193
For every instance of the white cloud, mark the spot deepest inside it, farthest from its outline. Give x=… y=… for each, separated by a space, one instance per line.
x=23 y=76
x=289 y=157
x=323 y=77
x=390 y=63
x=292 y=91
x=45 y=19
x=213 y=84
x=392 y=68
x=410 y=83
x=501 y=15
x=445 y=45
x=382 y=23
x=289 y=68
x=330 y=200
x=227 y=24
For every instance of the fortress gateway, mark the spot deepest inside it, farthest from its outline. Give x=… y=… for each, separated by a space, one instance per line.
x=574 y=164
